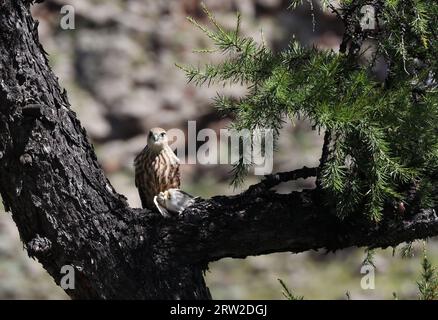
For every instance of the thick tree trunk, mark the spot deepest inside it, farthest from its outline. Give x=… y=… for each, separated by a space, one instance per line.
x=68 y=213
x=66 y=210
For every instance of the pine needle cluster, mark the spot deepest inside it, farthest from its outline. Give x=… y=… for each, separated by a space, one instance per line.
x=287 y=293
x=428 y=284
x=382 y=134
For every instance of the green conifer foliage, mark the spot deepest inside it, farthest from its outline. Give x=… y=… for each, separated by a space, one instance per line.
x=287 y=293
x=428 y=284
x=381 y=141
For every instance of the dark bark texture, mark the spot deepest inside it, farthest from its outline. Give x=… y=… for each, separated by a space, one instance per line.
x=68 y=213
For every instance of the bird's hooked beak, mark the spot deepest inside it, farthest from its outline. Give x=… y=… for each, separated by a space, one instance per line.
x=157 y=138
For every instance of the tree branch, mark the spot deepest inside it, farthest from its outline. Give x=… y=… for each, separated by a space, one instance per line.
x=273 y=180
x=246 y=225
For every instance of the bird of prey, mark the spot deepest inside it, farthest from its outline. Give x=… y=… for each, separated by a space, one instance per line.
x=156 y=168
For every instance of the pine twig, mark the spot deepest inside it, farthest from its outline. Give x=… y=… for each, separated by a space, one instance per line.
x=273 y=180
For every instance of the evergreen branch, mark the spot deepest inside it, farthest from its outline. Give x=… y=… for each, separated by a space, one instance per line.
x=428 y=284
x=407 y=251
x=375 y=149
x=287 y=293
x=369 y=258
x=324 y=156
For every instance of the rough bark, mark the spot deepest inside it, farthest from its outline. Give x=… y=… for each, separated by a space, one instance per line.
x=67 y=212
x=65 y=209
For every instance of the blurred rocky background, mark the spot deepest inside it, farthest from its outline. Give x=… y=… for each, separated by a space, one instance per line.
x=118 y=66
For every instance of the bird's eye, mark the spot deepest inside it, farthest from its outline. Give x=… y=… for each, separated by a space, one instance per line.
x=150 y=134
x=163 y=134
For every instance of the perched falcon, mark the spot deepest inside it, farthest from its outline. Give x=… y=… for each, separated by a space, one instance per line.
x=156 y=168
